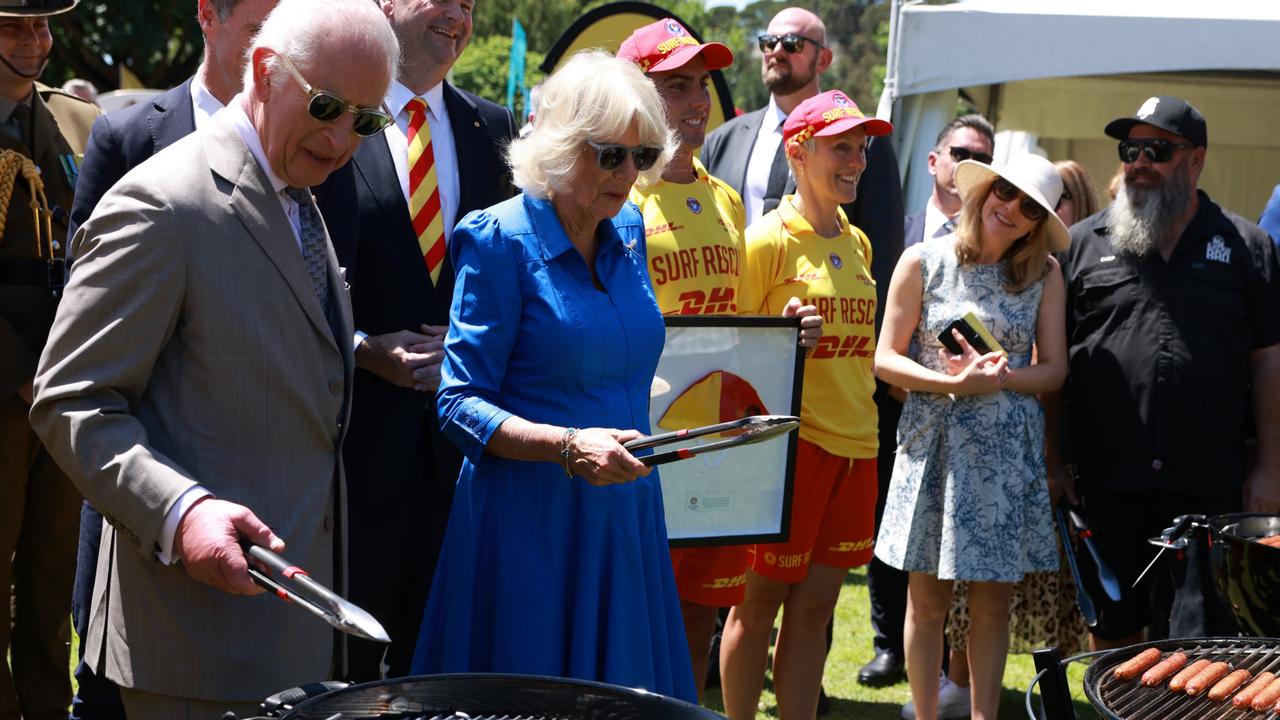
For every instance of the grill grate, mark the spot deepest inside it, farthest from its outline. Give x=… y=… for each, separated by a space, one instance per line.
x=1131 y=700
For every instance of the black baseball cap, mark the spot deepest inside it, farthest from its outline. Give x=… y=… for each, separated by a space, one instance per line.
x=1172 y=114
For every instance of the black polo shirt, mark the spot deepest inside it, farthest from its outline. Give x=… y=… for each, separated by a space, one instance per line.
x=1158 y=393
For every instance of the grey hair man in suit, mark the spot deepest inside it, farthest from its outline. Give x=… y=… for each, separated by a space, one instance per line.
x=197 y=379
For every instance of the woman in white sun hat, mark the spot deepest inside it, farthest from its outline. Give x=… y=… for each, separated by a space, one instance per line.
x=969 y=498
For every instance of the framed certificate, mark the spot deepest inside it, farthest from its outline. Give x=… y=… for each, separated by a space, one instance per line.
x=715 y=369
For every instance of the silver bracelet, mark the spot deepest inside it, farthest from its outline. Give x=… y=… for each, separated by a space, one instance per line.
x=565 y=441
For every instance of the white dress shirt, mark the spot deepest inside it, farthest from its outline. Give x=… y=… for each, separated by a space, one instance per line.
x=442 y=147
x=203 y=103
x=761 y=162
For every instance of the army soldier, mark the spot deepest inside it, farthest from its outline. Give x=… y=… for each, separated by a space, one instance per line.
x=42 y=136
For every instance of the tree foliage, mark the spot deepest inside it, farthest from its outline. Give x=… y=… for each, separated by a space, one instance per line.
x=160 y=42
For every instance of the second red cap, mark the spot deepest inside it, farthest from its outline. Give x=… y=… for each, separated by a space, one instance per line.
x=667 y=45
x=829 y=113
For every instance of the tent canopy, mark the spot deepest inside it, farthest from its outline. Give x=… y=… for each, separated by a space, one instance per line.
x=1060 y=69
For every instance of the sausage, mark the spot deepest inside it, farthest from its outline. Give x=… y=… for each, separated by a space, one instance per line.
x=1179 y=681
x=1228 y=685
x=1207 y=677
x=1268 y=697
x=1130 y=668
x=1164 y=669
x=1273 y=540
x=1246 y=696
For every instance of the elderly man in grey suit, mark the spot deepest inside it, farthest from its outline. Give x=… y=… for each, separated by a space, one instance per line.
x=197 y=379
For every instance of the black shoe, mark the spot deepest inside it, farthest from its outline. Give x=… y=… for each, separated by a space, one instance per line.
x=883 y=669
x=824 y=704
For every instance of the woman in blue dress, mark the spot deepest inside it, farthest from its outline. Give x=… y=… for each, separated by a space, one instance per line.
x=555 y=559
x=969 y=498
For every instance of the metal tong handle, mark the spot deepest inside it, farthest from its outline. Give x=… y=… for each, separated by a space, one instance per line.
x=1083 y=600
x=757 y=428
x=1110 y=585
x=313 y=591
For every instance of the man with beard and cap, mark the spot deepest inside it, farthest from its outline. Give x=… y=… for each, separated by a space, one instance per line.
x=689 y=211
x=123 y=139
x=42 y=136
x=1173 y=326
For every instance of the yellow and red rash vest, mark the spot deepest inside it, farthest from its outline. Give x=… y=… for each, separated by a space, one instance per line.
x=786 y=259
x=694 y=237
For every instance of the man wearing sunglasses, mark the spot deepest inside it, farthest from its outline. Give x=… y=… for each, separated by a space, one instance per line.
x=197 y=381
x=440 y=159
x=964 y=138
x=1173 y=329
x=120 y=141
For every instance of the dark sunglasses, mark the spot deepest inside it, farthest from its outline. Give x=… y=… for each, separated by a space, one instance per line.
x=324 y=106
x=791 y=42
x=1157 y=150
x=1030 y=209
x=610 y=156
x=962 y=153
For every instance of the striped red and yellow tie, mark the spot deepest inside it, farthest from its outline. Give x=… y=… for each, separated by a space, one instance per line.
x=424 y=191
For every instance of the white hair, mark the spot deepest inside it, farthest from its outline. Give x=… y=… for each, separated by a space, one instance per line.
x=298 y=29
x=593 y=96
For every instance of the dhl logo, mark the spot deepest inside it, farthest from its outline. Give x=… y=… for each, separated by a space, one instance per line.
x=722 y=583
x=853 y=546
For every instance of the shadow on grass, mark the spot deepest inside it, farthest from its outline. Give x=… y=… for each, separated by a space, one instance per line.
x=855 y=579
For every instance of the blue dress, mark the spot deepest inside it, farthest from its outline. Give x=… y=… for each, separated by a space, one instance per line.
x=969 y=499
x=539 y=573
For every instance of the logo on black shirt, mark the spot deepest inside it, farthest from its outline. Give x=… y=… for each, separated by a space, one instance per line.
x=1218 y=251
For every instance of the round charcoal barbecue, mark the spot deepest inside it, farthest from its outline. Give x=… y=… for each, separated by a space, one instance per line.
x=1247 y=576
x=489 y=697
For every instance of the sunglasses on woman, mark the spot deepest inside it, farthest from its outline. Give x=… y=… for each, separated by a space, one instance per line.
x=1157 y=150
x=610 y=156
x=963 y=153
x=1030 y=209
x=324 y=106
x=791 y=42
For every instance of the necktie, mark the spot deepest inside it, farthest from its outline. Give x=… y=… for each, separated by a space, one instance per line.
x=311 y=231
x=22 y=116
x=424 y=191
x=945 y=228
x=779 y=172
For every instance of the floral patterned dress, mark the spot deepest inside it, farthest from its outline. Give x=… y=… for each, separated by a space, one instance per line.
x=969 y=499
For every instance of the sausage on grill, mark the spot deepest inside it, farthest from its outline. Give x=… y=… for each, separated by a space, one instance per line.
x=1130 y=668
x=1228 y=685
x=1246 y=696
x=1273 y=540
x=1268 y=697
x=1179 y=681
x=1164 y=669
x=1207 y=677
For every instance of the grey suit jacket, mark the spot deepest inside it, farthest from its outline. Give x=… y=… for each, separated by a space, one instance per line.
x=190 y=348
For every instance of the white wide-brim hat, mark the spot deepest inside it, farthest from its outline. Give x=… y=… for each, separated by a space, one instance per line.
x=1031 y=174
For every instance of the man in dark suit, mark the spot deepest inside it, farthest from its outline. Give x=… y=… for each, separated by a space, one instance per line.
x=746 y=152
x=968 y=136
x=124 y=139
x=401 y=468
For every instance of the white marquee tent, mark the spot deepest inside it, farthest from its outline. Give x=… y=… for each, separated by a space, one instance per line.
x=1056 y=71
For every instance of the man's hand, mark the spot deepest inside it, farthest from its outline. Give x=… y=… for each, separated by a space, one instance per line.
x=208 y=544
x=393 y=358
x=810 y=321
x=1262 y=491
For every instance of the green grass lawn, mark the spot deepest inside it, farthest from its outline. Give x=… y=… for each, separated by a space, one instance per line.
x=852 y=648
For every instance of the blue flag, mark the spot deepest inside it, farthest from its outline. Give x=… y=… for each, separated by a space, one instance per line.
x=515 y=74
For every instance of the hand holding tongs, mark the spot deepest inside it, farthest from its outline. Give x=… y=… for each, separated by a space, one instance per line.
x=311 y=595
x=751 y=429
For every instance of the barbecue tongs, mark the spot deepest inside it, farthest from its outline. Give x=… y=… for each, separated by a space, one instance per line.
x=748 y=430
x=311 y=595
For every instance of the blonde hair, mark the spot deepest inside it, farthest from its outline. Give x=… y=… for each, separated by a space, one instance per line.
x=1075 y=180
x=593 y=96
x=1026 y=260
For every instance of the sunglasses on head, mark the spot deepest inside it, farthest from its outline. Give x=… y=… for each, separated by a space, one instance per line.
x=791 y=42
x=1030 y=209
x=1157 y=150
x=610 y=156
x=324 y=106
x=962 y=153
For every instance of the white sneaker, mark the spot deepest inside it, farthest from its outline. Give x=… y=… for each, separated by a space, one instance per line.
x=953 y=702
